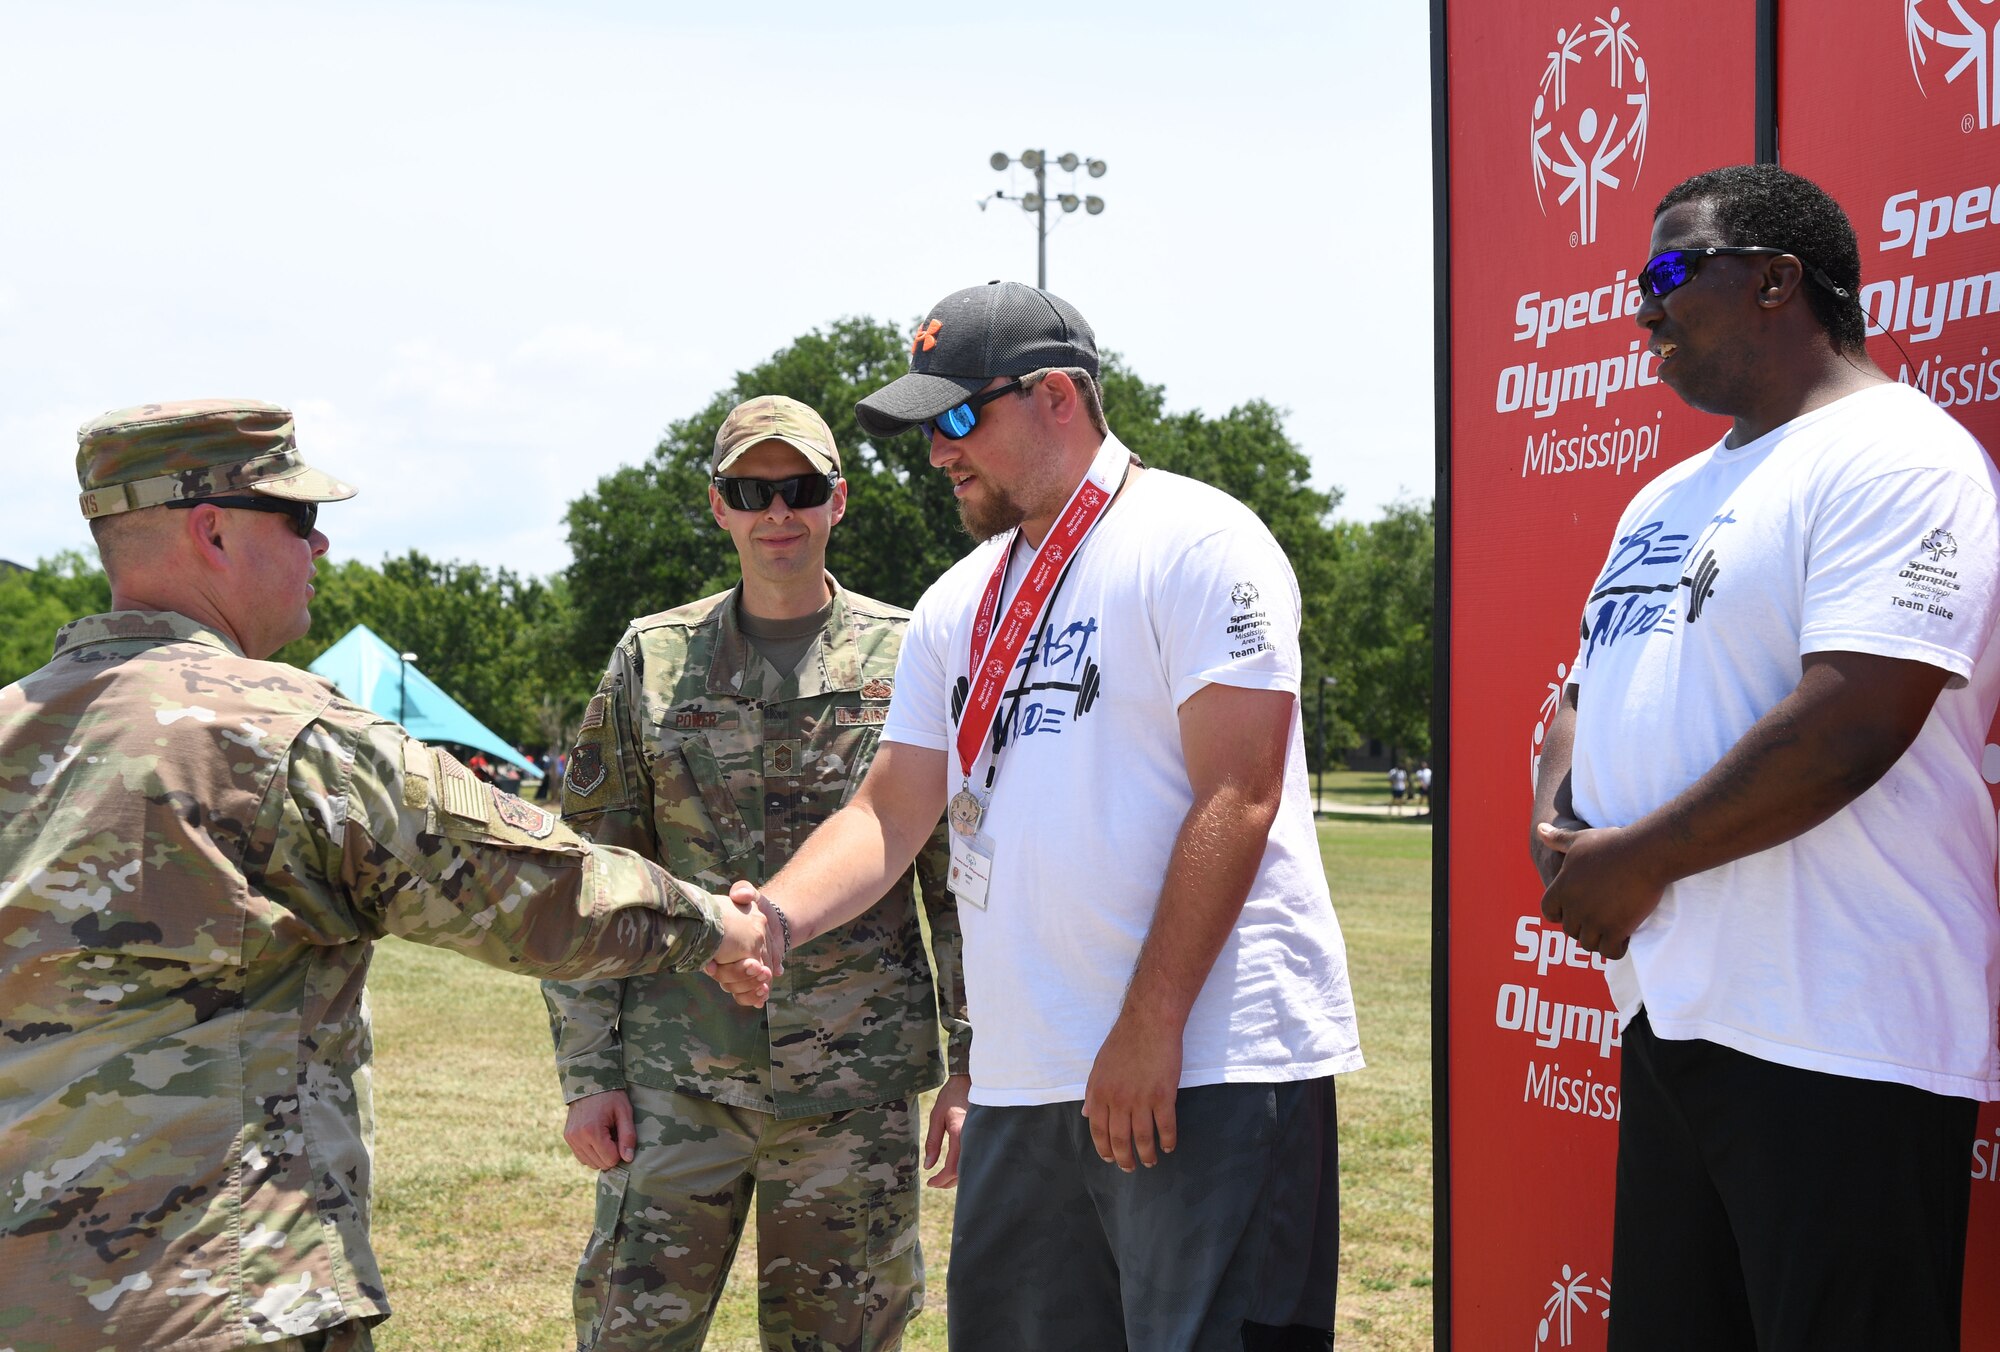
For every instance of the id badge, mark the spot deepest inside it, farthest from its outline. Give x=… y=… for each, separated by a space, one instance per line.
x=971 y=868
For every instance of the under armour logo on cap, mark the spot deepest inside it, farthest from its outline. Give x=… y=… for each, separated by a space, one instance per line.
x=926 y=336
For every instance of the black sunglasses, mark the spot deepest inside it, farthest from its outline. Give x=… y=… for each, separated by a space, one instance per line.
x=304 y=515
x=955 y=422
x=1669 y=271
x=754 y=495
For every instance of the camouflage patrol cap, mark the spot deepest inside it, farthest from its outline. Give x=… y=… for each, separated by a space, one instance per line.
x=773 y=417
x=194 y=448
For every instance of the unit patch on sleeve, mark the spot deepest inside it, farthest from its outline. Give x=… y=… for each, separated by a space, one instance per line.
x=587 y=769
x=522 y=816
x=859 y=718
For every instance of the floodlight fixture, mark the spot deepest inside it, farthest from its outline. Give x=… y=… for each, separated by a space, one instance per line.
x=1038 y=200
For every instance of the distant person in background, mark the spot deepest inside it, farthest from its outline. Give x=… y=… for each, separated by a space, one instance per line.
x=1772 y=818
x=723 y=734
x=1421 y=781
x=1399 y=788
x=198 y=847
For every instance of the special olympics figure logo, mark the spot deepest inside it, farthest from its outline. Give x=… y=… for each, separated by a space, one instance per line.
x=1976 y=40
x=1591 y=121
x=1570 y=1296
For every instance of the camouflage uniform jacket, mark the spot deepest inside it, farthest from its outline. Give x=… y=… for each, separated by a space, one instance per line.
x=196 y=850
x=696 y=753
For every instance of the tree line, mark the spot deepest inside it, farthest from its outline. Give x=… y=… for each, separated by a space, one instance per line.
x=522 y=653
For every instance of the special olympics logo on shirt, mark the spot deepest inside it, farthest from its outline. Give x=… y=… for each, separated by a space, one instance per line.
x=1243 y=593
x=1939 y=545
x=1590 y=117
x=1976 y=43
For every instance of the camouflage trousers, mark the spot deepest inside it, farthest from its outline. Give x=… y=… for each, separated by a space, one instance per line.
x=838 y=1262
x=352 y=1336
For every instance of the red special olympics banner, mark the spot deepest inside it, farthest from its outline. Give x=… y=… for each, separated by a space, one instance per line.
x=1566 y=123
x=1894 y=107
x=1563 y=127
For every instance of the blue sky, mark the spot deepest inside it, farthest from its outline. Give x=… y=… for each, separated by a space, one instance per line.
x=487 y=252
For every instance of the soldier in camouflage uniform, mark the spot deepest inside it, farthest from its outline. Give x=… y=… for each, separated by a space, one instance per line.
x=724 y=732
x=197 y=848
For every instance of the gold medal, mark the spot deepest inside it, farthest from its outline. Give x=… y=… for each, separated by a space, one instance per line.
x=964 y=812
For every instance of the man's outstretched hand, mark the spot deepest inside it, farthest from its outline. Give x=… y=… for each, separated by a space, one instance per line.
x=752 y=951
x=746 y=971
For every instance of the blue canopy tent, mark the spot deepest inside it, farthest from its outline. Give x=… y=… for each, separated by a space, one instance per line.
x=374 y=675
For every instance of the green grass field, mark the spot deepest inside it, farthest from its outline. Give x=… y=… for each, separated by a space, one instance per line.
x=480 y=1212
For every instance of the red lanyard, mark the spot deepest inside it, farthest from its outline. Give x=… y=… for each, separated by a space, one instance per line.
x=993 y=654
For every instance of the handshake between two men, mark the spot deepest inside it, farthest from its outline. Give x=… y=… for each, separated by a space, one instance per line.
x=756 y=936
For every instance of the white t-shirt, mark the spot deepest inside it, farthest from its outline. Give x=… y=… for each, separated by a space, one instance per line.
x=1870 y=945
x=1178 y=586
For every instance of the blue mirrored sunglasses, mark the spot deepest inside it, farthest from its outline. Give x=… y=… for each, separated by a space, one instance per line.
x=1669 y=271
x=955 y=422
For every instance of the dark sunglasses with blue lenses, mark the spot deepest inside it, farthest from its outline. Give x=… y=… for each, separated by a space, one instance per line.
x=1674 y=269
x=955 y=422
x=304 y=515
x=754 y=495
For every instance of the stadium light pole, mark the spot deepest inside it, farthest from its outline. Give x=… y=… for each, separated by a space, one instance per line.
x=1038 y=200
